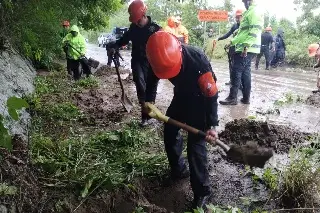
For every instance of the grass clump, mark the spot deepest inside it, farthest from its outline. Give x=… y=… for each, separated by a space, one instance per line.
x=88 y=83
x=301 y=180
x=103 y=160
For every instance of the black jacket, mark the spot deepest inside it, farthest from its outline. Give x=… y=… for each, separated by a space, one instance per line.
x=266 y=39
x=231 y=31
x=139 y=37
x=194 y=64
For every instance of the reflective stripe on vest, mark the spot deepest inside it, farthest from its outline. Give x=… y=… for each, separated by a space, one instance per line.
x=251 y=26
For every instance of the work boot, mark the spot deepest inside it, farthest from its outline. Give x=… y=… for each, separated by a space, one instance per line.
x=185 y=173
x=229 y=101
x=228 y=83
x=245 y=101
x=267 y=68
x=200 y=201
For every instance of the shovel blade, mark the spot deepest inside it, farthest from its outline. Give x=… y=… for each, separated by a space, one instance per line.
x=253 y=156
x=93 y=63
x=127 y=104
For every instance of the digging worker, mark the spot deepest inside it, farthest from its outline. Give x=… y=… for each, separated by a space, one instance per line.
x=314 y=51
x=247 y=44
x=267 y=41
x=139 y=32
x=194 y=103
x=231 y=50
x=181 y=32
x=75 y=46
x=171 y=26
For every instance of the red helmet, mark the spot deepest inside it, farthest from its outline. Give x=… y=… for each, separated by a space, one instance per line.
x=66 y=23
x=313 y=48
x=268 y=29
x=171 y=21
x=137 y=9
x=239 y=12
x=164 y=55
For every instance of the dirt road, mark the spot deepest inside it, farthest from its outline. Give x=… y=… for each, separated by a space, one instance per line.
x=267 y=87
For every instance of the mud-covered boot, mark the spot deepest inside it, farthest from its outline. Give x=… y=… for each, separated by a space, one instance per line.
x=245 y=101
x=229 y=101
x=200 y=201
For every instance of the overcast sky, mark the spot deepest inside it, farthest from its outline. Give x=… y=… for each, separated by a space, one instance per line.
x=280 y=8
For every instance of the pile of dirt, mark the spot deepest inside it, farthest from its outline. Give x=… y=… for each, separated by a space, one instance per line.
x=106 y=70
x=314 y=100
x=278 y=137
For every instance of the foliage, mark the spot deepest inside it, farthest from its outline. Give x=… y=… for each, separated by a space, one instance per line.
x=88 y=83
x=288 y=98
x=6 y=189
x=106 y=159
x=271 y=179
x=301 y=180
x=13 y=104
x=34 y=27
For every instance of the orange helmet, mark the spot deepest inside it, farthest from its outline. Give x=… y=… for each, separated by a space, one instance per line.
x=239 y=12
x=269 y=29
x=313 y=48
x=171 y=21
x=66 y=23
x=137 y=9
x=164 y=54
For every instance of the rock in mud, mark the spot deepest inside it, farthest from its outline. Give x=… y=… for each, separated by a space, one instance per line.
x=314 y=100
x=278 y=137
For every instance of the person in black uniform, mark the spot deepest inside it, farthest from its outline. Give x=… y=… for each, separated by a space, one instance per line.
x=231 y=50
x=266 y=42
x=194 y=103
x=280 y=53
x=139 y=32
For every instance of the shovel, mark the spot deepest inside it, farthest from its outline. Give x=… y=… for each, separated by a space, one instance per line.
x=249 y=154
x=124 y=99
x=90 y=62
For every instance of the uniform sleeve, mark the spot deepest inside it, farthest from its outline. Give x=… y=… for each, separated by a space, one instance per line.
x=82 y=46
x=211 y=100
x=66 y=38
x=125 y=39
x=228 y=34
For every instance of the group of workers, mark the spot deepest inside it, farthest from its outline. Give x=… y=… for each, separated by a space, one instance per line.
x=164 y=54
x=175 y=27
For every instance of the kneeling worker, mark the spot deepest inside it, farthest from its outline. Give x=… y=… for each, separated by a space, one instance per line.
x=194 y=103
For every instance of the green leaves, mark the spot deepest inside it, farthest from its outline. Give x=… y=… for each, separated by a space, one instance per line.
x=14 y=104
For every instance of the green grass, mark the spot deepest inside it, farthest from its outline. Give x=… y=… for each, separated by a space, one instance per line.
x=106 y=159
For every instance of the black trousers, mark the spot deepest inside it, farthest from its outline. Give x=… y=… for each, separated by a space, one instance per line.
x=75 y=67
x=266 y=52
x=145 y=80
x=189 y=110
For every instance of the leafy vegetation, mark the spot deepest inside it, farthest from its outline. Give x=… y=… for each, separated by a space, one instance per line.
x=13 y=104
x=34 y=27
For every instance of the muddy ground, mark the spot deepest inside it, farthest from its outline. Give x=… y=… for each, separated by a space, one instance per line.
x=314 y=100
x=231 y=183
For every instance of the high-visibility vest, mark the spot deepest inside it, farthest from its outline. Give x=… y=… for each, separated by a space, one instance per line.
x=182 y=33
x=249 y=33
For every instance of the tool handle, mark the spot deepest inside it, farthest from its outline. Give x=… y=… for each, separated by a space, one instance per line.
x=197 y=132
x=77 y=51
x=118 y=73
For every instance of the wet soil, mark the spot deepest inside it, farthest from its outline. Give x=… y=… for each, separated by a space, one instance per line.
x=314 y=100
x=278 y=137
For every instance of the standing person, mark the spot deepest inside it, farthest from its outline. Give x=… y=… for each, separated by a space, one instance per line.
x=140 y=30
x=247 y=44
x=181 y=32
x=231 y=50
x=266 y=42
x=194 y=103
x=314 y=51
x=171 y=26
x=64 y=32
x=75 y=45
x=280 y=49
